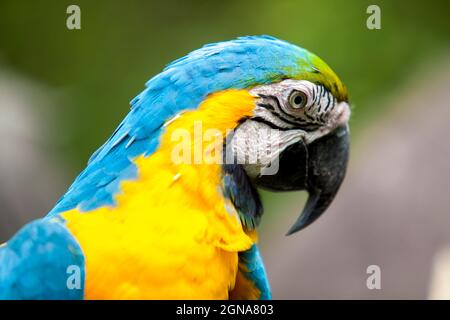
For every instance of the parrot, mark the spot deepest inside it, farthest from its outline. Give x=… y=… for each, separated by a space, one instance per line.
x=168 y=207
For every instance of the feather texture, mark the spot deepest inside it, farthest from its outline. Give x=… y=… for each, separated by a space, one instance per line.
x=141 y=226
x=34 y=264
x=183 y=85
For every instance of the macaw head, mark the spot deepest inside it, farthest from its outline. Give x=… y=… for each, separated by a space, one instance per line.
x=287 y=109
x=297 y=136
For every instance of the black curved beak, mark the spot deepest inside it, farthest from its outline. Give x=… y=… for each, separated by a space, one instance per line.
x=318 y=168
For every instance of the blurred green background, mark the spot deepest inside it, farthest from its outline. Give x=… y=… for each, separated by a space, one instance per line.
x=87 y=77
x=97 y=70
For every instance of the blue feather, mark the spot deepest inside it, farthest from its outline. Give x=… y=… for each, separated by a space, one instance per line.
x=34 y=263
x=254 y=271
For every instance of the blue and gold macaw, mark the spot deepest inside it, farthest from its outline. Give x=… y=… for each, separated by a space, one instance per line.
x=167 y=207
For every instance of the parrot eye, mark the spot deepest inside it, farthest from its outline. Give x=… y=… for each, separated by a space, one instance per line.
x=297 y=99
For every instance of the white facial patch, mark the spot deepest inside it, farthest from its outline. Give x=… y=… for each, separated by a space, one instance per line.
x=285 y=113
x=257 y=146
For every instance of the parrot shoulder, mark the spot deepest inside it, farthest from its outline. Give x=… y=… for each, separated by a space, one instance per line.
x=37 y=263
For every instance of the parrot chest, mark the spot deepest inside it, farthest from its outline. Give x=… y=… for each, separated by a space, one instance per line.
x=181 y=258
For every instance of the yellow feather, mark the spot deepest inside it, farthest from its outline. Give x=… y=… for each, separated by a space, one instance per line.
x=169 y=236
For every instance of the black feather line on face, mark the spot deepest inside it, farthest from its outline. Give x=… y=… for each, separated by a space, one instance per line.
x=296 y=122
x=270 y=124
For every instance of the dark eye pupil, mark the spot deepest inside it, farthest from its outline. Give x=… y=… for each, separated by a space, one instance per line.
x=298 y=100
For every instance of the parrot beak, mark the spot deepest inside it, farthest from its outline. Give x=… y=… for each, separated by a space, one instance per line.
x=319 y=168
x=327 y=165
